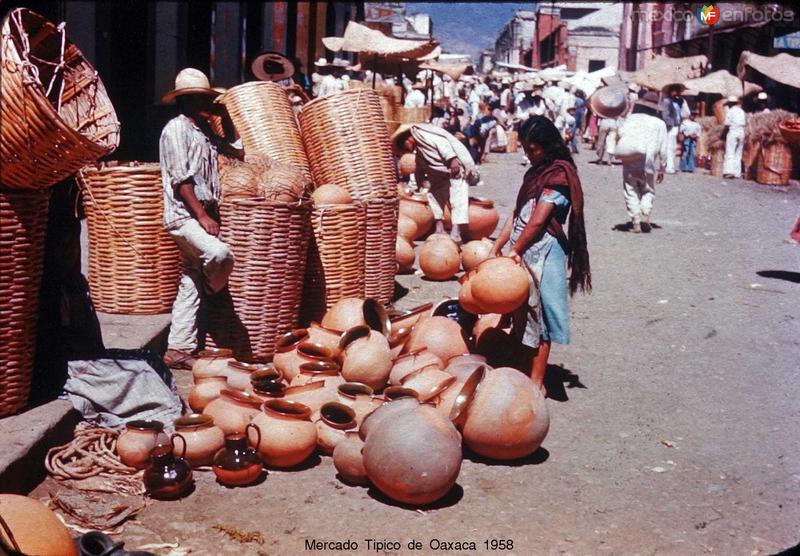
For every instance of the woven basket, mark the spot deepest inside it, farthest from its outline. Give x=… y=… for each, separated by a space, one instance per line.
x=263 y=116
x=381 y=259
x=269 y=240
x=46 y=137
x=23 y=224
x=347 y=143
x=134 y=264
x=513 y=142
x=414 y=115
x=335 y=268
x=717 y=163
x=774 y=164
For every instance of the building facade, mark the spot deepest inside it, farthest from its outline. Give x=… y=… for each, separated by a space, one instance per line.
x=515 y=38
x=593 y=38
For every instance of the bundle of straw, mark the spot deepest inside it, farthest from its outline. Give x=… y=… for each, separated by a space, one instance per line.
x=762 y=128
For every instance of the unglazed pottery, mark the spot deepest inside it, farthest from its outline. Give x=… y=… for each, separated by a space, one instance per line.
x=439 y=259
x=406 y=228
x=203 y=439
x=405 y=255
x=233 y=410
x=323 y=336
x=389 y=411
x=348 y=460
x=428 y=382
x=412 y=361
x=238 y=373
x=465 y=297
x=334 y=419
x=366 y=357
x=408 y=319
x=288 y=436
x=499 y=288
x=135 y=443
x=359 y=397
x=475 y=252
x=483 y=218
x=331 y=194
x=211 y=362
x=206 y=390
x=418 y=209
x=35 y=528
x=440 y=335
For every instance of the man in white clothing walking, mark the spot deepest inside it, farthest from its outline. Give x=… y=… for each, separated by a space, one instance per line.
x=734 y=140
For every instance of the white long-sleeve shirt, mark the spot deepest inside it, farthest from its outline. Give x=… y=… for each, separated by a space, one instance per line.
x=735 y=117
x=415 y=99
x=649 y=134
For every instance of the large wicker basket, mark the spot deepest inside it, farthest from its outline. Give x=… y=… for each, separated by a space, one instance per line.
x=263 y=116
x=23 y=224
x=335 y=268
x=717 y=163
x=53 y=121
x=381 y=259
x=134 y=264
x=269 y=240
x=347 y=143
x=774 y=164
x=414 y=115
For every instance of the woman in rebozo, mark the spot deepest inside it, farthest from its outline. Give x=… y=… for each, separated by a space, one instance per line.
x=551 y=194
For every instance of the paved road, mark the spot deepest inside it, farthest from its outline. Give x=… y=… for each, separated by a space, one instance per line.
x=675 y=417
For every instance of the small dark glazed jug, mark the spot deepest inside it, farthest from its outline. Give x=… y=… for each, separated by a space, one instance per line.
x=237 y=464
x=168 y=477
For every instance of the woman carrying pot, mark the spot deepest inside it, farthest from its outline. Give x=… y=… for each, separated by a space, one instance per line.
x=550 y=193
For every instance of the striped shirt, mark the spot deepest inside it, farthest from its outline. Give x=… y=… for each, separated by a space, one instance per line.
x=186 y=152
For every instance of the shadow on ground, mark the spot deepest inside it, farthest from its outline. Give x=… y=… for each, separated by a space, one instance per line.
x=538 y=457
x=787 y=275
x=555 y=379
x=627 y=227
x=450 y=499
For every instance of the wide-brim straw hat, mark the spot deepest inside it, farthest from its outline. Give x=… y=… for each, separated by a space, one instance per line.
x=649 y=100
x=400 y=133
x=538 y=82
x=321 y=63
x=190 y=81
x=272 y=66
x=733 y=99
x=609 y=102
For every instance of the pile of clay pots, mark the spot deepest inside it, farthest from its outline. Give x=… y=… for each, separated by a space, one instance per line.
x=392 y=400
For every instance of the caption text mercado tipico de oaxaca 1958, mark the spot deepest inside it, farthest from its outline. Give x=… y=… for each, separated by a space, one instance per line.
x=410 y=545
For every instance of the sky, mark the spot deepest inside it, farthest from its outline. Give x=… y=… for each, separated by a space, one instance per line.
x=467 y=28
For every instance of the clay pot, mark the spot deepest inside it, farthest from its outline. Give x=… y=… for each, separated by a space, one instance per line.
x=398 y=340
x=483 y=218
x=305 y=352
x=331 y=194
x=202 y=438
x=359 y=398
x=406 y=228
x=35 y=528
x=233 y=410
x=206 y=390
x=392 y=393
x=288 y=436
x=313 y=371
x=348 y=460
x=413 y=361
x=405 y=255
x=465 y=297
x=408 y=164
x=335 y=418
x=475 y=252
x=285 y=356
x=440 y=335
x=167 y=477
x=318 y=334
x=508 y=416
x=313 y=394
x=388 y=410
x=266 y=377
x=428 y=382
x=461 y=366
x=138 y=439
x=415 y=458
x=211 y=362
x=499 y=288
x=408 y=319
x=238 y=374
x=417 y=208
x=366 y=357
x=237 y=464
x=439 y=259
x=352 y=311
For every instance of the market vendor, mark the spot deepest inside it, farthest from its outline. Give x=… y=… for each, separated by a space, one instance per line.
x=735 y=122
x=188 y=155
x=444 y=169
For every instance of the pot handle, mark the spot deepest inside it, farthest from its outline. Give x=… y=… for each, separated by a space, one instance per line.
x=172 y=441
x=258 y=433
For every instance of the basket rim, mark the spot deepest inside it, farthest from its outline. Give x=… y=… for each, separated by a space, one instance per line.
x=243 y=87
x=336 y=95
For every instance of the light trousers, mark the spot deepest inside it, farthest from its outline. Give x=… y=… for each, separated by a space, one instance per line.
x=672 y=144
x=206 y=264
x=445 y=190
x=734 y=142
x=639 y=189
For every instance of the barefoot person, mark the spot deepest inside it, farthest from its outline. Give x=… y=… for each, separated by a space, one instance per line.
x=551 y=191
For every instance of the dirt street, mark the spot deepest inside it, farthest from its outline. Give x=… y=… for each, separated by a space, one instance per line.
x=675 y=412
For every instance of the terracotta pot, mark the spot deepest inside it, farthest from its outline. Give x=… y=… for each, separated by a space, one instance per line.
x=35 y=528
x=392 y=393
x=508 y=416
x=211 y=362
x=462 y=366
x=237 y=464
x=499 y=288
x=475 y=252
x=405 y=255
x=439 y=259
x=438 y=236
x=138 y=439
x=203 y=438
x=388 y=410
x=406 y=228
x=366 y=357
x=483 y=218
x=288 y=436
x=428 y=382
x=305 y=352
x=331 y=194
x=335 y=418
x=398 y=340
x=233 y=410
x=349 y=312
x=312 y=371
x=348 y=460
x=167 y=477
x=440 y=335
x=415 y=458
x=453 y=402
x=358 y=397
x=206 y=390
x=465 y=297
x=324 y=336
x=413 y=361
x=419 y=211
x=408 y=164
x=265 y=378
x=285 y=356
x=408 y=319
x=238 y=374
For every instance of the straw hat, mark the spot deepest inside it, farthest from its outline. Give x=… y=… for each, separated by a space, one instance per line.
x=538 y=82
x=190 y=81
x=608 y=102
x=762 y=96
x=649 y=100
x=400 y=133
x=733 y=99
x=321 y=63
x=339 y=63
x=271 y=66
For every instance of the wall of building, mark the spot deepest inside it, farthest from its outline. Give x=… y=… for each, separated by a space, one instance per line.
x=515 y=37
x=584 y=48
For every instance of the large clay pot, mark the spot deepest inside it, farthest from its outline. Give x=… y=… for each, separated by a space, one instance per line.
x=366 y=357
x=508 y=416
x=323 y=336
x=453 y=402
x=358 y=397
x=331 y=194
x=428 y=382
x=461 y=366
x=168 y=476
x=406 y=228
x=348 y=460
x=206 y=390
x=238 y=374
x=288 y=436
x=499 y=288
x=405 y=255
x=398 y=339
x=138 y=439
x=413 y=361
x=415 y=458
x=233 y=410
x=237 y=464
x=439 y=259
x=440 y=335
x=389 y=410
x=314 y=394
x=316 y=370
x=483 y=218
x=352 y=311
x=419 y=211
x=334 y=419
x=408 y=164
x=203 y=438
x=465 y=297
x=211 y=362
x=305 y=352
x=285 y=356
x=408 y=319
x=35 y=528
x=475 y=252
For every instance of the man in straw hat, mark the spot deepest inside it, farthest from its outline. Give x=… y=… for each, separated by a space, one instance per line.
x=189 y=175
x=608 y=103
x=643 y=149
x=674 y=110
x=734 y=140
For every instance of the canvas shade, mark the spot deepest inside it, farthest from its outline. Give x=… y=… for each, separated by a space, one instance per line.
x=362 y=39
x=723 y=83
x=663 y=71
x=783 y=68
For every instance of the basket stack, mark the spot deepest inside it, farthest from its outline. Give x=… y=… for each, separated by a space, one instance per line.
x=263 y=117
x=774 y=164
x=336 y=258
x=381 y=259
x=134 y=264
x=23 y=224
x=267 y=279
